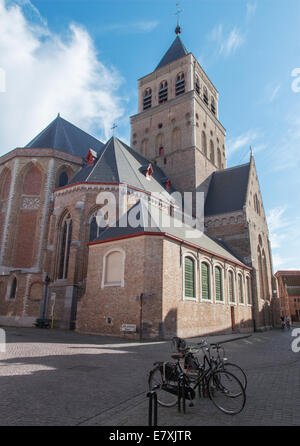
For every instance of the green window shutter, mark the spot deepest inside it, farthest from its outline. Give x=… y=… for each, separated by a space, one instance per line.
x=231 y=291
x=241 y=290
x=218 y=281
x=205 y=281
x=249 y=291
x=189 y=277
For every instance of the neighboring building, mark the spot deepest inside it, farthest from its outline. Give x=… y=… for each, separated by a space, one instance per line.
x=50 y=210
x=289 y=293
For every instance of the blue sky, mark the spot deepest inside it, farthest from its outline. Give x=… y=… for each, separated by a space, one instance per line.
x=83 y=59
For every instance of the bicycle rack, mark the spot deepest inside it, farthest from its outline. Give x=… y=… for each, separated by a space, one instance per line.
x=152 y=411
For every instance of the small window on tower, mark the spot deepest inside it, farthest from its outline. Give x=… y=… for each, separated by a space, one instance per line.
x=180 y=84
x=213 y=106
x=147 y=98
x=163 y=92
x=205 y=95
x=197 y=85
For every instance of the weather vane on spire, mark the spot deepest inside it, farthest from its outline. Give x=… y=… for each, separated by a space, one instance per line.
x=179 y=11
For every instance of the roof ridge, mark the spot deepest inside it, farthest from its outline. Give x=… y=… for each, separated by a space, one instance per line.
x=227 y=169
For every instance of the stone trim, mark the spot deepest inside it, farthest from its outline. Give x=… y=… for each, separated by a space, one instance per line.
x=9 y=206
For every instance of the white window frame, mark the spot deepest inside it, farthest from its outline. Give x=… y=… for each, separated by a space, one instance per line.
x=250 y=290
x=210 y=265
x=240 y=273
x=231 y=303
x=190 y=299
x=120 y=284
x=218 y=265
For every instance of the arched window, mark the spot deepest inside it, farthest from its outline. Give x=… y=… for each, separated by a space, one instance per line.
x=213 y=105
x=219 y=158
x=249 y=295
x=180 y=84
x=265 y=274
x=218 y=284
x=212 y=152
x=189 y=277
x=95 y=225
x=256 y=204
x=241 y=289
x=176 y=139
x=147 y=100
x=63 y=179
x=204 y=143
x=260 y=272
x=113 y=269
x=205 y=273
x=65 y=244
x=13 y=289
x=197 y=85
x=205 y=95
x=30 y=203
x=160 y=142
x=231 y=287
x=163 y=92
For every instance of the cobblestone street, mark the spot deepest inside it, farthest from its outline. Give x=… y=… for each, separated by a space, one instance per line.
x=51 y=377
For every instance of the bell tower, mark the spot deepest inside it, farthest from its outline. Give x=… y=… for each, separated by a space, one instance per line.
x=177 y=126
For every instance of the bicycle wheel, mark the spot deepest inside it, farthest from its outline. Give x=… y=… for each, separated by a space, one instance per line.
x=236 y=371
x=226 y=392
x=164 y=398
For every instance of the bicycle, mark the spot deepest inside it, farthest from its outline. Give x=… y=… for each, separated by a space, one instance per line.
x=222 y=387
x=221 y=362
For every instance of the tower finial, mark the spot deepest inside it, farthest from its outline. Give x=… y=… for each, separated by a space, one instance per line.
x=179 y=11
x=251 y=152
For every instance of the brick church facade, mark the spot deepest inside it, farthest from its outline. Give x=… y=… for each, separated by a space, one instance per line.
x=51 y=240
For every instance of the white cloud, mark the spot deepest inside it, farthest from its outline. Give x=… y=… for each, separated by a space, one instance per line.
x=284 y=237
x=134 y=27
x=227 y=42
x=46 y=74
x=243 y=141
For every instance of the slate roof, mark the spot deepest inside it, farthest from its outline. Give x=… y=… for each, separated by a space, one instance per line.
x=119 y=163
x=153 y=222
x=62 y=135
x=176 y=51
x=227 y=190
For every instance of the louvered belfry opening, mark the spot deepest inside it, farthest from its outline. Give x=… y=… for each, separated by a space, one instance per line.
x=180 y=84
x=163 y=92
x=147 y=99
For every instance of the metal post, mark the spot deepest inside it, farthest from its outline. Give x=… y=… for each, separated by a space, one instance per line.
x=152 y=415
x=141 y=317
x=181 y=393
x=47 y=281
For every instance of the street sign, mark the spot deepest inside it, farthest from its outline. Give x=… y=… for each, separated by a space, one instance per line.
x=128 y=327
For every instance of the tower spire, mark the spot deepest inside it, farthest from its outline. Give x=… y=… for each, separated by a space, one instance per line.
x=179 y=11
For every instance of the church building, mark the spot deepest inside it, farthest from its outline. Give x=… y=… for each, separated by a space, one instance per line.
x=149 y=280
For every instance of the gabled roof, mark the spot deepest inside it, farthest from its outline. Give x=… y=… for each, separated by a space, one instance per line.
x=227 y=190
x=153 y=220
x=119 y=163
x=176 y=51
x=62 y=135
